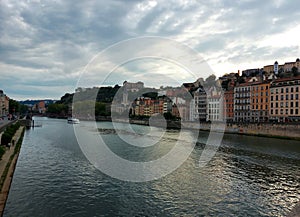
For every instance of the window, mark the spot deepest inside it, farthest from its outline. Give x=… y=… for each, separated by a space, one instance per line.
x=296 y=96
x=267 y=87
x=292 y=104
x=261 y=100
x=286 y=111
x=276 y=104
x=297 y=89
x=296 y=111
x=292 y=89
x=261 y=107
x=271 y=105
x=291 y=111
x=271 y=98
x=266 y=107
x=277 y=90
x=262 y=88
x=287 y=89
x=271 y=111
x=281 y=111
x=276 y=97
x=281 y=90
x=281 y=104
x=276 y=111
x=296 y=104
x=281 y=97
x=286 y=97
x=286 y=104
x=292 y=96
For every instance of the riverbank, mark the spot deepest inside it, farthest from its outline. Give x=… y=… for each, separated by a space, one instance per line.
x=271 y=130
x=7 y=167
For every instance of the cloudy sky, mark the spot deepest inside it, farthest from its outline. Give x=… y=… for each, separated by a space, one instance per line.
x=45 y=46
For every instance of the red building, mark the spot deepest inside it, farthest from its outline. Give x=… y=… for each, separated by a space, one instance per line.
x=229 y=105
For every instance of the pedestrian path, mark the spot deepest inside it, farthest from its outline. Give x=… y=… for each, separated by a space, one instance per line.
x=3 y=162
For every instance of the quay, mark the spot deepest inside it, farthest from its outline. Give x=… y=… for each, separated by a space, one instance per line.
x=7 y=165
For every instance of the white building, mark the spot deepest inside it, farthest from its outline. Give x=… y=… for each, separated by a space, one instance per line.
x=215 y=105
x=200 y=105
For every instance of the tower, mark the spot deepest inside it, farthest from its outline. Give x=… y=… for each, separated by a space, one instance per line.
x=276 y=68
x=298 y=63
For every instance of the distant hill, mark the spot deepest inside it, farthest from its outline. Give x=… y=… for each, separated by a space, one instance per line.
x=33 y=102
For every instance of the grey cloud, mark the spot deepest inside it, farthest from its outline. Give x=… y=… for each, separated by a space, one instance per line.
x=56 y=39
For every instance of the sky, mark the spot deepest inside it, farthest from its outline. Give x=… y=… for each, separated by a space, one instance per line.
x=48 y=47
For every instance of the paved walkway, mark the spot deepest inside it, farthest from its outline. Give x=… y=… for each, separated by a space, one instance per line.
x=3 y=163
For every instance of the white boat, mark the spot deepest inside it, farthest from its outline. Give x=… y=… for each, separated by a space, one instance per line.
x=73 y=121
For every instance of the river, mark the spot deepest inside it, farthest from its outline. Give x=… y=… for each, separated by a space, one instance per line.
x=248 y=176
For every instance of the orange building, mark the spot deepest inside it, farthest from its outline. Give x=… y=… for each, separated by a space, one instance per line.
x=229 y=105
x=260 y=102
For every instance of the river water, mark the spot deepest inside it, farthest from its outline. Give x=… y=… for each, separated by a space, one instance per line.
x=248 y=176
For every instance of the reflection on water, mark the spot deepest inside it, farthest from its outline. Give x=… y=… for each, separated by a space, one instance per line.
x=249 y=176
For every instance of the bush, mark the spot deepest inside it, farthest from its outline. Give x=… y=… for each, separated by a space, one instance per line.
x=9 y=133
x=2 y=151
x=6 y=138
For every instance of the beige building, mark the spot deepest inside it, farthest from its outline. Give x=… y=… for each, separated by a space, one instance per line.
x=269 y=68
x=286 y=67
x=4 y=104
x=284 y=100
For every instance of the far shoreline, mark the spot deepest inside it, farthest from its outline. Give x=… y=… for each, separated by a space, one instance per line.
x=287 y=131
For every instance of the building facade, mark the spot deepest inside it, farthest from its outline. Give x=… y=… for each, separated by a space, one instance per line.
x=4 y=104
x=259 y=102
x=284 y=100
x=215 y=105
x=200 y=105
x=229 y=105
x=242 y=112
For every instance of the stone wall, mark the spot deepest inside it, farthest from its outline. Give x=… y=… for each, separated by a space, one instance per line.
x=285 y=131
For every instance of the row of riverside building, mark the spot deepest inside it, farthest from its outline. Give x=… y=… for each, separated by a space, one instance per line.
x=275 y=100
x=270 y=96
x=258 y=95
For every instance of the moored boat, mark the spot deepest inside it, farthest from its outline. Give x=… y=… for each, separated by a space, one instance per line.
x=73 y=120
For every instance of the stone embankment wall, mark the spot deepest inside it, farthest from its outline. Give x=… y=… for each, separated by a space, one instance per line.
x=291 y=131
x=288 y=131
x=285 y=131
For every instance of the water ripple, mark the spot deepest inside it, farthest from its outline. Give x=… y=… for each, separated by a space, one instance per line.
x=53 y=178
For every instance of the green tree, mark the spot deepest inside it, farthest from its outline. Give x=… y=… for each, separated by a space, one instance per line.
x=100 y=109
x=57 y=108
x=23 y=109
x=295 y=71
x=14 y=106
